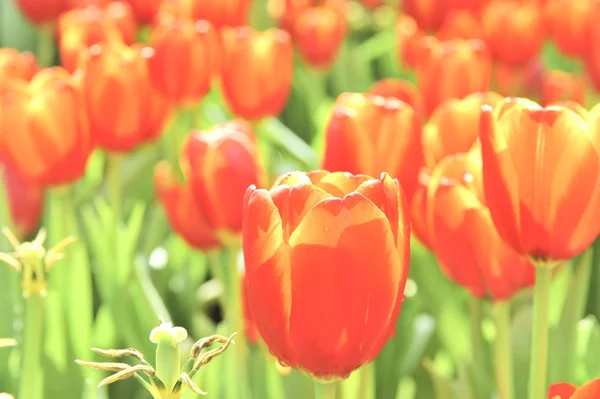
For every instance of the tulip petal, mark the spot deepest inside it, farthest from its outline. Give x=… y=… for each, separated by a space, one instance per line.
x=338 y=184
x=589 y=390
x=341 y=306
x=267 y=261
x=561 y=390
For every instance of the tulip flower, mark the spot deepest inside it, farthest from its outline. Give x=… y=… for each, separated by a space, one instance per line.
x=231 y=13
x=42 y=11
x=402 y=90
x=249 y=324
x=319 y=33
x=454 y=126
x=336 y=246
x=182 y=210
x=45 y=127
x=408 y=37
x=428 y=14
x=453 y=69
x=368 y=134
x=25 y=199
x=460 y=24
x=562 y=390
x=145 y=10
x=465 y=241
x=219 y=164
x=519 y=81
x=530 y=178
x=180 y=66
x=418 y=209
x=256 y=71
x=569 y=24
x=562 y=86
x=16 y=65
x=592 y=58
x=514 y=31
x=124 y=109
x=81 y=28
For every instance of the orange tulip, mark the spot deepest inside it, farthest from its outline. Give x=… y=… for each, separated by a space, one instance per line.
x=515 y=32
x=592 y=58
x=182 y=210
x=40 y=11
x=541 y=168
x=562 y=86
x=408 y=37
x=44 y=127
x=402 y=90
x=16 y=65
x=124 y=110
x=81 y=28
x=306 y=242
x=219 y=164
x=319 y=33
x=460 y=24
x=220 y=13
x=453 y=69
x=429 y=14
x=145 y=10
x=454 y=126
x=180 y=66
x=569 y=24
x=368 y=134
x=249 y=323
x=25 y=200
x=465 y=241
x=418 y=209
x=256 y=71
x=562 y=390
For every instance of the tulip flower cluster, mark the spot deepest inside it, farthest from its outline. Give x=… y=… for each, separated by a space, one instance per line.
x=370 y=200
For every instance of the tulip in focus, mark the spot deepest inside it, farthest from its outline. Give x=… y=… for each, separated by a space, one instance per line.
x=221 y=13
x=402 y=90
x=124 y=109
x=183 y=213
x=44 y=127
x=562 y=86
x=81 y=28
x=465 y=241
x=453 y=69
x=562 y=390
x=316 y=245
x=368 y=134
x=219 y=164
x=569 y=24
x=16 y=65
x=541 y=172
x=319 y=33
x=25 y=199
x=514 y=31
x=256 y=71
x=180 y=65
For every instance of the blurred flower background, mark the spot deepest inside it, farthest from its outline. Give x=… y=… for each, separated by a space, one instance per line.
x=356 y=199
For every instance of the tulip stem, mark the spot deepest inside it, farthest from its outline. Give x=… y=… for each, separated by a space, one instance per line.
x=503 y=350
x=45 y=45
x=325 y=390
x=538 y=363
x=114 y=188
x=31 y=378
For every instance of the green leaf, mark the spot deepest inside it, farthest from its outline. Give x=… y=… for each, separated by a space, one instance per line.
x=442 y=384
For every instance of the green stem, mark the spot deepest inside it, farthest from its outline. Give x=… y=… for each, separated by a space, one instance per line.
x=503 y=350
x=476 y=316
x=325 y=390
x=114 y=189
x=45 y=45
x=538 y=362
x=31 y=379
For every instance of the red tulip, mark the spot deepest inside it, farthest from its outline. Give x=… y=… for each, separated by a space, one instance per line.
x=306 y=243
x=145 y=10
x=402 y=90
x=220 y=13
x=589 y=390
x=569 y=24
x=408 y=37
x=40 y=11
x=562 y=86
x=16 y=65
x=460 y=24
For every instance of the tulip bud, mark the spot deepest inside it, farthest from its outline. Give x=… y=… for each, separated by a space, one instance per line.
x=460 y=24
x=180 y=65
x=408 y=37
x=81 y=28
x=183 y=212
x=570 y=23
x=219 y=164
x=220 y=13
x=515 y=32
x=40 y=11
x=145 y=10
x=319 y=33
x=367 y=134
x=306 y=242
x=453 y=69
x=256 y=71
x=16 y=65
x=402 y=90
x=124 y=109
x=49 y=138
